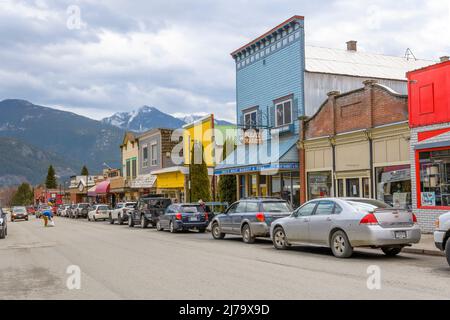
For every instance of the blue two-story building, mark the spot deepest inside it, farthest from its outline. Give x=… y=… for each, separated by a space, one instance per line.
x=270 y=98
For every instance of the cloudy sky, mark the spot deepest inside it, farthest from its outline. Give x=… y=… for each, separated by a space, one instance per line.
x=174 y=54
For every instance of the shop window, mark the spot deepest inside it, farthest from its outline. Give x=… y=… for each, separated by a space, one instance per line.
x=319 y=185
x=263 y=185
x=352 y=187
x=144 y=156
x=154 y=154
x=366 y=187
x=241 y=187
x=340 y=186
x=393 y=186
x=253 y=185
x=434 y=178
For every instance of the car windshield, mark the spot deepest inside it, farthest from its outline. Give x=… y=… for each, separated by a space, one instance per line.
x=276 y=207
x=191 y=209
x=19 y=210
x=130 y=205
x=369 y=203
x=84 y=205
x=102 y=207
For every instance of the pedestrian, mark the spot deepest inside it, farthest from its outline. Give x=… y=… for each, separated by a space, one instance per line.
x=204 y=206
x=47 y=216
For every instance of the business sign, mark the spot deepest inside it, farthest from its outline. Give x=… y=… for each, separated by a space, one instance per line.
x=144 y=181
x=257 y=168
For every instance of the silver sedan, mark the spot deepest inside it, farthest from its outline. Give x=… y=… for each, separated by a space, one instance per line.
x=345 y=223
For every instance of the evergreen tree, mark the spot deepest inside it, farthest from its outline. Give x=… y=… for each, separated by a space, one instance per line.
x=84 y=171
x=23 y=196
x=227 y=183
x=50 y=181
x=200 y=185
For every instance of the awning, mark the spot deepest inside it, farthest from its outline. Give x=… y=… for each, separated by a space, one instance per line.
x=269 y=156
x=102 y=187
x=144 y=181
x=91 y=192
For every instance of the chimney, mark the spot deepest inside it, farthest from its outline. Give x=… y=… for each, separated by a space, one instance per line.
x=351 y=45
x=445 y=58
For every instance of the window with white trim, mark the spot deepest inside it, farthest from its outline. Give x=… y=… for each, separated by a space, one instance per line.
x=154 y=154
x=250 y=119
x=145 y=156
x=283 y=112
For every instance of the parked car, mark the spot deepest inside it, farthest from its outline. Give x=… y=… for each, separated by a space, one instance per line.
x=182 y=217
x=3 y=224
x=442 y=234
x=64 y=211
x=19 y=213
x=345 y=223
x=148 y=210
x=250 y=218
x=98 y=212
x=31 y=210
x=71 y=210
x=81 y=210
x=120 y=212
x=59 y=210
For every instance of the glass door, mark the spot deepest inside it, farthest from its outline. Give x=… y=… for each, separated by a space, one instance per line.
x=352 y=187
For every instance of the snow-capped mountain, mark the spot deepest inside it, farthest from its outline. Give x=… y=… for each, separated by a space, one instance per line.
x=143 y=119
x=146 y=118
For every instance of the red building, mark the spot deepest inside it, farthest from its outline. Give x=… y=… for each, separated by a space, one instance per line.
x=429 y=111
x=43 y=196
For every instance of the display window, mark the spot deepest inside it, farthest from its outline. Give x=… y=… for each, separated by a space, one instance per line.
x=433 y=178
x=319 y=185
x=393 y=185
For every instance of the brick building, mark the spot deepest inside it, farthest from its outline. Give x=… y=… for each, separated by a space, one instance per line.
x=357 y=145
x=429 y=91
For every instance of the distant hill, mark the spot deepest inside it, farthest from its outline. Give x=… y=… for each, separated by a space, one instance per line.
x=20 y=162
x=77 y=140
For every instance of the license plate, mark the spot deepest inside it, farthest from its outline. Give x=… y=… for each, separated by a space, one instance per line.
x=193 y=219
x=400 y=235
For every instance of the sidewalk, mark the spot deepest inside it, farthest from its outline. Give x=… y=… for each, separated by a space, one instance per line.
x=425 y=246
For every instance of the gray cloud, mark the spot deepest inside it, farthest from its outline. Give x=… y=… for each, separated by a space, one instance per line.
x=174 y=55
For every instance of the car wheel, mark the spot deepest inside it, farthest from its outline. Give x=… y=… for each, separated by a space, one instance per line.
x=12 y=220
x=215 y=231
x=247 y=234
x=119 y=219
x=391 y=252
x=279 y=239
x=111 y=220
x=172 y=227
x=144 y=222
x=447 y=250
x=158 y=226
x=340 y=245
x=130 y=221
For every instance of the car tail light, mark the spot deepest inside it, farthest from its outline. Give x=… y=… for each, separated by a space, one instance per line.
x=414 y=218
x=260 y=217
x=206 y=216
x=369 y=219
x=179 y=216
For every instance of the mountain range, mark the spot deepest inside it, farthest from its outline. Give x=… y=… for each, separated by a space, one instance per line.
x=146 y=118
x=32 y=137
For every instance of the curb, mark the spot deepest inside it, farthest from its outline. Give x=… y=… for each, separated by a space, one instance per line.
x=426 y=252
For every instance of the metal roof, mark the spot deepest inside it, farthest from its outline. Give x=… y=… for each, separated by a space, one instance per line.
x=360 y=64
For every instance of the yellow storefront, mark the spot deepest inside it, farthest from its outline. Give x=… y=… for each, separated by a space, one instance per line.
x=172 y=182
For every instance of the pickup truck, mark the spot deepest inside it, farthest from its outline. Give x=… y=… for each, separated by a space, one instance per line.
x=120 y=212
x=442 y=234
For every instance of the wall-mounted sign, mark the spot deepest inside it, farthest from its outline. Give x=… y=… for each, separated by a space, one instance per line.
x=428 y=199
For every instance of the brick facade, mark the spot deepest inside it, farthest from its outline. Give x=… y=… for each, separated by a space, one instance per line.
x=368 y=107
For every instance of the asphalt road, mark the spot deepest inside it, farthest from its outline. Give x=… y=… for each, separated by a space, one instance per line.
x=117 y=262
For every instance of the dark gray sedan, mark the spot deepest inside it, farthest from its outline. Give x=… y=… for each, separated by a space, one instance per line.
x=250 y=218
x=182 y=217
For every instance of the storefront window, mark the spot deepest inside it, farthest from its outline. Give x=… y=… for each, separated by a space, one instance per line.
x=253 y=185
x=340 y=186
x=366 y=187
x=263 y=185
x=319 y=185
x=352 y=187
x=435 y=178
x=394 y=185
x=241 y=187
x=276 y=186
